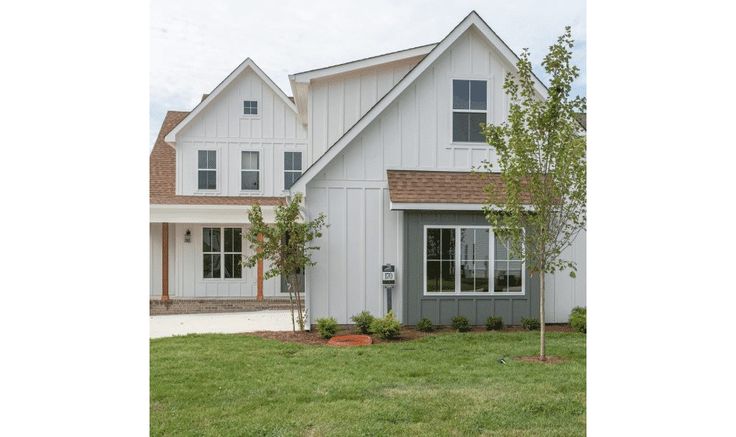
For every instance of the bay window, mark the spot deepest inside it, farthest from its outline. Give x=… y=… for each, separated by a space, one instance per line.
x=461 y=259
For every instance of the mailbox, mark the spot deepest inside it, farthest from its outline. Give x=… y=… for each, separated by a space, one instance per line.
x=388 y=277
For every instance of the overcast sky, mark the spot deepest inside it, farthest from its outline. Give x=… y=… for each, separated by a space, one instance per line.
x=196 y=44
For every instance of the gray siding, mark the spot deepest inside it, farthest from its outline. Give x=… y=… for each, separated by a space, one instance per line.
x=441 y=309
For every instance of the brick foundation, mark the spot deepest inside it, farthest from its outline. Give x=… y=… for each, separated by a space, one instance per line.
x=200 y=306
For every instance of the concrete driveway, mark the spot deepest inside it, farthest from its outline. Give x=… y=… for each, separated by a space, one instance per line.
x=221 y=323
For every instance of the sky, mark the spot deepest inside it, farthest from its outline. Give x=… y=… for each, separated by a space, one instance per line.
x=196 y=44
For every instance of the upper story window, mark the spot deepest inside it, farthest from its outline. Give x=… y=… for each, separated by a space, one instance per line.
x=469 y=110
x=250 y=107
x=207 y=169
x=250 y=173
x=292 y=168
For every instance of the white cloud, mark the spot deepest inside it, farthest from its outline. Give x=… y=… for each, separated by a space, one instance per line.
x=195 y=45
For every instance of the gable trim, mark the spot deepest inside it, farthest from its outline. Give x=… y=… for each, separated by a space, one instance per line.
x=472 y=19
x=247 y=63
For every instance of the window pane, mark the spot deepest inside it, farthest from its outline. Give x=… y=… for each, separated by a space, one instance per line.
x=460 y=94
x=433 y=244
x=231 y=240
x=215 y=266
x=466 y=276
x=207 y=266
x=482 y=244
x=232 y=266
x=433 y=276
x=460 y=126
x=214 y=240
x=297 y=157
x=202 y=158
x=211 y=159
x=202 y=180
x=206 y=239
x=481 y=276
x=249 y=180
x=249 y=161
x=211 y=179
x=478 y=94
x=290 y=177
x=474 y=132
x=254 y=107
x=466 y=243
x=500 y=277
x=502 y=250
x=237 y=240
x=447 y=271
x=288 y=161
x=447 y=248
x=515 y=276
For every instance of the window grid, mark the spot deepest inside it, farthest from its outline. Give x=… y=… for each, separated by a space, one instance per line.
x=207 y=169
x=469 y=109
x=292 y=168
x=250 y=173
x=218 y=245
x=250 y=107
x=519 y=287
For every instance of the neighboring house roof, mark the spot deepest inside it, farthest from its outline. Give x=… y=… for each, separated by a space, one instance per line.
x=419 y=186
x=162 y=174
x=472 y=20
x=248 y=63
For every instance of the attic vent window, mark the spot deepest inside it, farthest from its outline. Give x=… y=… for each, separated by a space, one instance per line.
x=250 y=107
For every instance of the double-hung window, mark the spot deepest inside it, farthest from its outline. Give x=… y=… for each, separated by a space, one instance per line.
x=469 y=110
x=207 y=169
x=463 y=259
x=221 y=253
x=292 y=168
x=250 y=173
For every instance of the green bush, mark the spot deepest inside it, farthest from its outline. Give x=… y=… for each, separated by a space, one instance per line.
x=494 y=323
x=327 y=327
x=461 y=324
x=530 y=323
x=363 y=321
x=386 y=327
x=578 y=319
x=425 y=325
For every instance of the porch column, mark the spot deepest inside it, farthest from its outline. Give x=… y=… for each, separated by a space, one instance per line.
x=259 y=296
x=164 y=262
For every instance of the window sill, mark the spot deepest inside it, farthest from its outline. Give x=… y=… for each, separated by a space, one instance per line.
x=249 y=117
x=473 y=294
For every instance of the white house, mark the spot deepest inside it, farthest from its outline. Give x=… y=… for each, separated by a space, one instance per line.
x=384 y=147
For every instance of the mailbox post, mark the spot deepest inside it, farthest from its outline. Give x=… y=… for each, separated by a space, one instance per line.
x=388 y=279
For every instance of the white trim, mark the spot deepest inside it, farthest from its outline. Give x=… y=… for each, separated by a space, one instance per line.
x=398 y=206
x=472 y=20
x=491 y=265
x=247 y=63
x=202 y=214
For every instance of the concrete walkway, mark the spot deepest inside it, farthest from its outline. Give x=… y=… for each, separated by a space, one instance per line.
x=224 y=323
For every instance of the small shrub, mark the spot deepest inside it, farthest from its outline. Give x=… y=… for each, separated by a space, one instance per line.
x=578 y=319
x=425 y=325
x=363 y=321
x=386 y=327
x=461 y=324
x=530 y=324
x=494 y=323
x=327 y=327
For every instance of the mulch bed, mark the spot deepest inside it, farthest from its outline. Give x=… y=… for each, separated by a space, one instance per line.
x=406 y=334
x=535 y=359
x=350 y=340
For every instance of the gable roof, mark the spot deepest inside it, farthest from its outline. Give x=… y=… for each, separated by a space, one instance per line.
x=471 y=20
x=207 y=98
x=162 y=174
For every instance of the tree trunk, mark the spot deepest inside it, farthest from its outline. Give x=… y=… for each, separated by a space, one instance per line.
x=291 y=304
x=300 y=312
x=542 y=352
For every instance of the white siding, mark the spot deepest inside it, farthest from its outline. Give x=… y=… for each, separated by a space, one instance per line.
x=414 y=132
x=221 y=126
x=563 y=292
x=337 y=102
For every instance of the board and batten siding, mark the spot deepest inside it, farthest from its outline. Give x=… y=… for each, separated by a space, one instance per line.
x=337 y=102
x=414 y=132
x=221 y=126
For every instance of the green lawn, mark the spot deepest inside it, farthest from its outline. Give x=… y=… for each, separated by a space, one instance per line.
x=447 y=384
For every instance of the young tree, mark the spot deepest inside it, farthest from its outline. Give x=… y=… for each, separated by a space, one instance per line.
x=541 y=206
x=287 y=245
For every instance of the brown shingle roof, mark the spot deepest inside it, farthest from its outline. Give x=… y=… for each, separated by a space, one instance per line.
x=162 y=174
x=413 y=186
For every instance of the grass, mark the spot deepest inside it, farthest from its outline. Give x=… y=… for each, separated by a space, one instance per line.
x=447 y=384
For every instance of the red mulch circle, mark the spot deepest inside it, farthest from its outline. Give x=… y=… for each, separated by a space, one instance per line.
x=350 y=340
x=535 y=359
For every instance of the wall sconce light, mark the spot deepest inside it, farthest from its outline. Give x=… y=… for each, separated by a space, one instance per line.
x=188 y=236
